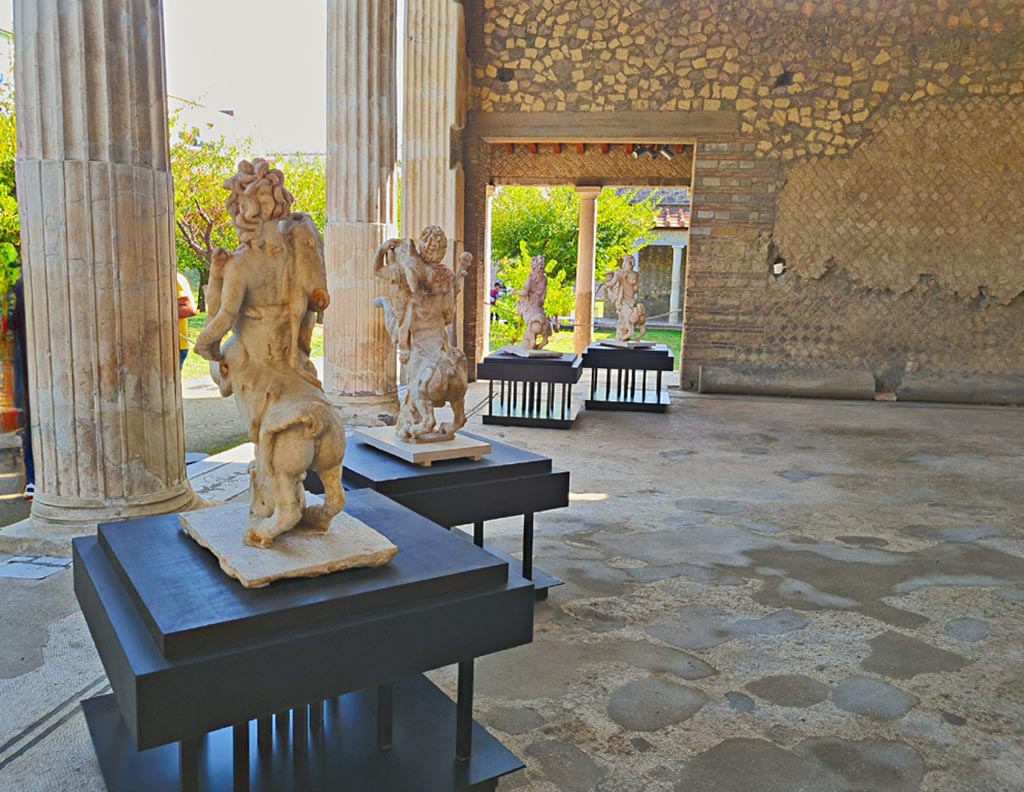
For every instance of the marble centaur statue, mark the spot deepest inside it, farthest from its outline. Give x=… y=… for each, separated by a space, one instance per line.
x=417 y=317
x=622 y=286
x=530 y=306
x=267 y=292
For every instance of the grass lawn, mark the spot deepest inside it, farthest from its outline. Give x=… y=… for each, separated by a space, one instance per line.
x=197 y=368
x=562 y=341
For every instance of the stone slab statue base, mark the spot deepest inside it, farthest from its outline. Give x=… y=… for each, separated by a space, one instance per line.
x=348 y=544
x=385 y=439
x=522 y=352
x=627 y=344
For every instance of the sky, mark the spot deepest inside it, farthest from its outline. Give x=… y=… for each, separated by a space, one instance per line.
x=263 y=59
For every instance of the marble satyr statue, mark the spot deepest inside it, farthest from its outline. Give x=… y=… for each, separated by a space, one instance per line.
x=268 y=292
x=622 y=285
x=530 y=306
x=417 y=317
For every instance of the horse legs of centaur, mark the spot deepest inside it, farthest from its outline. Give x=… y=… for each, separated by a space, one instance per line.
x=299 y=431
x=441 y=380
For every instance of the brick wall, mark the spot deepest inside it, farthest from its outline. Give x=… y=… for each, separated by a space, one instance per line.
x=731 y=221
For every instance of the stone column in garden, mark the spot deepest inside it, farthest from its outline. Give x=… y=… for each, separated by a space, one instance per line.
x=436 y=70
x=434 y=111
x=677 y=284
x=583 y=334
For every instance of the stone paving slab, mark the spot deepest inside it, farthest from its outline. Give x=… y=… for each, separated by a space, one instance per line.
x=44 y=743
x=25 y=571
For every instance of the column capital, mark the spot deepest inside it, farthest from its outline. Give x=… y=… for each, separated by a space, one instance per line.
x=588 y=192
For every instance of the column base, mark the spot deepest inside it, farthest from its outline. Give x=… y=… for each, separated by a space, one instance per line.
x=365 y=410
x=50 y=528
x=57 y=511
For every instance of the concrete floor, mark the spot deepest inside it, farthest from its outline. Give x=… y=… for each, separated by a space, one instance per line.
x=761 y=595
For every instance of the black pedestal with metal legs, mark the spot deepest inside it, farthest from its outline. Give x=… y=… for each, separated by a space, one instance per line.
x=628 y=379
x=530 y=391
x=306 y=684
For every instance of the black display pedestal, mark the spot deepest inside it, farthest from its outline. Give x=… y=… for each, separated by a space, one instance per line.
x=632 y=378
x=505 y=483
x=209 y=677
x=530 y=391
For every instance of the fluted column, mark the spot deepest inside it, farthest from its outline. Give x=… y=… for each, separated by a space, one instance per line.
x=432 y=182
x=97 y=217
x=583 y=332
x=435 y=110
x=359 y=365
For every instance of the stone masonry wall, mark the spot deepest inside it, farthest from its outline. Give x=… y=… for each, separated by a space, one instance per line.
x=878 y=153
x=656 y=281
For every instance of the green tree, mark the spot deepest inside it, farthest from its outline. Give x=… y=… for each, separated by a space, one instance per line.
x=547 y=220
x=10 y=224
x=624 y=226
x=200 y=164
x=305 y=176
x=199 y=167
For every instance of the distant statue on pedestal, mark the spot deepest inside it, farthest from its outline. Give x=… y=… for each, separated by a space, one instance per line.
x=267 y=292
x=417 y=317
x=621 y=286
x=530 y=306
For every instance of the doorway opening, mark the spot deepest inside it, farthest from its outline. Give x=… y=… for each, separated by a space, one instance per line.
x=649 y=223
x=544 y=173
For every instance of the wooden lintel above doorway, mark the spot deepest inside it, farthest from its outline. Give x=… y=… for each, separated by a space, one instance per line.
x=603 y=127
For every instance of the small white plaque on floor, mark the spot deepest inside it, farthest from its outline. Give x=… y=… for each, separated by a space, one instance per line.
x=627 y=344
x=300 y=552
x=385 y=439
x=523 y=352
